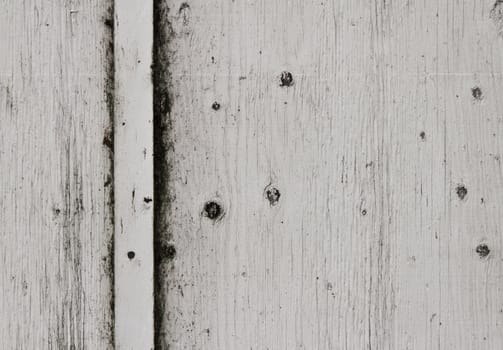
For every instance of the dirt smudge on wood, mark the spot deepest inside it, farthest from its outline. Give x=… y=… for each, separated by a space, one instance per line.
x=163 y=168
x=496 y=15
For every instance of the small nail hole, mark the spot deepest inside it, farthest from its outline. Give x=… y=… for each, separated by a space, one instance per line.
x=477 y=93
x=212 y=210
x=131 y=255
x=215 y=106
x=272 y=194
x=461 y=191
x=286 y=79
x=482 y=250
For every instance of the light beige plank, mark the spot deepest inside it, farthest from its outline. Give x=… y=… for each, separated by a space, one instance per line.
x=56 y=175
x=133 y=165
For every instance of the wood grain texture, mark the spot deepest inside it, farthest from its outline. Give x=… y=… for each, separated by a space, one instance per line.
x=373 y=241
x=56 y=175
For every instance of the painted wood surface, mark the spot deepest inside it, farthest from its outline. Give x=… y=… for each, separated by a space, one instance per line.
x=133 y=167
x=56 y=213
x=352 y=202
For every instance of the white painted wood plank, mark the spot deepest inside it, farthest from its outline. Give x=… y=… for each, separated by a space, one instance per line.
x=133 y=176
x=370 y=245
x=56 y=196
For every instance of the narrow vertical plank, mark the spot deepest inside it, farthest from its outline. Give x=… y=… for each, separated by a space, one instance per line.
x=56 y=193
x=133 y=176
x=329 y=174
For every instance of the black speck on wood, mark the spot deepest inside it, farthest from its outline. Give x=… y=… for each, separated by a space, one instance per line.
x=461 y=191
x=212 y=210
x=272 y=194
x=215 y=106
x=286 y=79
x=482 y=250
x=109 y=22
x=477 y=93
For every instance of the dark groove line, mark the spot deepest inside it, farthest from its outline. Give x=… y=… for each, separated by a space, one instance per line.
x=108 y=142
x=162 y=99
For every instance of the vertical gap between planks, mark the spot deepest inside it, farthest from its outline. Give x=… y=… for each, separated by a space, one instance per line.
x=162 y=127
x=133 y=164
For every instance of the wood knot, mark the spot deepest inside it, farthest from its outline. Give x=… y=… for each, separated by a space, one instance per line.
x=286 y=79
x=212 y=210
x=482 y=250
x=461 y=191
x=272 y=194
x=477 y=93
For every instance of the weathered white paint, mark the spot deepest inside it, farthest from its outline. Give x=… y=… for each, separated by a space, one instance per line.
x=55 y=175
x=369 y=246
x=133 y=176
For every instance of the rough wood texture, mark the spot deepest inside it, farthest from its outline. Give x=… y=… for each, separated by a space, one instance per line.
x=384 y=147
x=56 y=175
